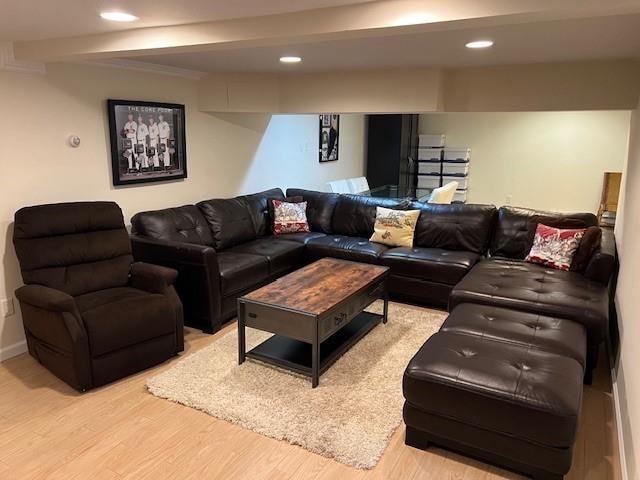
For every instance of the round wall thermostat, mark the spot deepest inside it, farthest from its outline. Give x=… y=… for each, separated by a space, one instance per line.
x=74 y=141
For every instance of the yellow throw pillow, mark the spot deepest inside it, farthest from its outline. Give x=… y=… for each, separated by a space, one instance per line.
x=395 y=227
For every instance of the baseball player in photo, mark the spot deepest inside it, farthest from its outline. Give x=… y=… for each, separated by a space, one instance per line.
x=129 y=131
x=153 y=141
x=141 y=144
x=164 y=131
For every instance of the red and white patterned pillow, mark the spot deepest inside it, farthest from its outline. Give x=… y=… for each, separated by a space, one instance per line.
x=289 y=217
x=555 y=247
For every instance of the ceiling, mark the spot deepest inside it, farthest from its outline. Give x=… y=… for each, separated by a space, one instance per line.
x=22 y=20
x=250 y=35
x=556 y=41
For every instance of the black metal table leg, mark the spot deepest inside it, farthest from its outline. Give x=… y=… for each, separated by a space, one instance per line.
x=315 y=361
x=385 y=310
x=241 y=333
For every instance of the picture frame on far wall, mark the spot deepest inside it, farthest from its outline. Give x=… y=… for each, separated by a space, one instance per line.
x=329 y=137
x=148 y=142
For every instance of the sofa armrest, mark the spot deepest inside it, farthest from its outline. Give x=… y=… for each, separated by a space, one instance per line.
x=152 y=278
x=603 y=262
x=46 y=298
x=198 y=281
x=146 y=247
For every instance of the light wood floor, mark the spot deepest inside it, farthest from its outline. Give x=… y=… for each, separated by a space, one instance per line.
x=120 y=431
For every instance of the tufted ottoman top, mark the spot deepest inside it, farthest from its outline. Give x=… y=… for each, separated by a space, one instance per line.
x=528 y=330
x=527 y=393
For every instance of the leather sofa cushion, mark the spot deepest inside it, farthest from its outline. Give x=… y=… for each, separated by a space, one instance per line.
x=301 y=237
x=258 y=206
x=180 y=224
x=240 y=271
x=357 y=249
x=320 y=207
x=120 y=317
x=589 y=245
x=432 y=264
x=534 y=288
x=73 y=247
x=516 y=227
x=529 y=330
x=230 y=221
x=355 y=215
x=455 y=226
x=524 y=393
x=282 y=255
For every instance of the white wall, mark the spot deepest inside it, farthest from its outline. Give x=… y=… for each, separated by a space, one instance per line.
x=545 y=160
x=227 y=154
x=627 y=379
x=288 y=154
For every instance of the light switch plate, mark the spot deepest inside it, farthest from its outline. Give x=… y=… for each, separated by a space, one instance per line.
x=6 y=306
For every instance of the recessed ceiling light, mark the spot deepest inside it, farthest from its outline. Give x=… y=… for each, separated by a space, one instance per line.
x=118 y=16
x=479 y=44
x=289 y=59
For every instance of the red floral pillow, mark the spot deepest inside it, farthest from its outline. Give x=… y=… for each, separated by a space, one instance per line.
x=289 y=217
x=555 y=247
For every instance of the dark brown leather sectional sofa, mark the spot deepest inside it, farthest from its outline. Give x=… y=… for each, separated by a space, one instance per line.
x=462 y=254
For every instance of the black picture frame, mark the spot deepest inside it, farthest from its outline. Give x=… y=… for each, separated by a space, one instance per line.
x=163 y=141
x=329 y=137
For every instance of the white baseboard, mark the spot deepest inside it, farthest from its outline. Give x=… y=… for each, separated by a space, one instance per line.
x=13 y=350
x=618 y=419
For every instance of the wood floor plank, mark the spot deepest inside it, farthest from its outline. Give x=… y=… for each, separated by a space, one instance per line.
x=122 y=432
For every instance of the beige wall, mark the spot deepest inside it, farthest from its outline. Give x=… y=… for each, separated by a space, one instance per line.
x=627 y=380
x=227 y=154
x=545 y=160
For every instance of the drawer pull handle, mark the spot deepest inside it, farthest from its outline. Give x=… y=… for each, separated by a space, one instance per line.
x=339 y=319
x=253 y=315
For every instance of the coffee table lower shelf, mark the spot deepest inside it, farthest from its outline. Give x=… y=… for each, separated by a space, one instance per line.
x=296 y=355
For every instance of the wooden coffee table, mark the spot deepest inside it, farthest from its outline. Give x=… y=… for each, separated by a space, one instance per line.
x=316 y=314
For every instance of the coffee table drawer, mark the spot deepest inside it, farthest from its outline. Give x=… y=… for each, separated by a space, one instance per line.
x=286 y=322
x=339 y=318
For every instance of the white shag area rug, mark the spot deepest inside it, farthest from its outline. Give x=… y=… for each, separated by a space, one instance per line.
x=350 y=416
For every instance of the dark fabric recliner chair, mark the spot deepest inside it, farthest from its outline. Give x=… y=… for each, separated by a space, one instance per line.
x=90 y=314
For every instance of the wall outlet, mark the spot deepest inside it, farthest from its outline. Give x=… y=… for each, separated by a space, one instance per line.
x=6 y=307
x=508 y=200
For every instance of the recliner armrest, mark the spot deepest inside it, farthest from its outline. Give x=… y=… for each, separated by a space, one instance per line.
x=602 y=263
x=52 y=322
x=47 y=298
x=152 y=278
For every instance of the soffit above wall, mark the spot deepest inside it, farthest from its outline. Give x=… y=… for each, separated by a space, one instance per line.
x=605 y=85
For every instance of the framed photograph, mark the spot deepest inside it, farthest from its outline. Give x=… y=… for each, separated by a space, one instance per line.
x=147 y=141
x=329 y=136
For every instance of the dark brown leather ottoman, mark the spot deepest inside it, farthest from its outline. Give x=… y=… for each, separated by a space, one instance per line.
x=492 y=391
